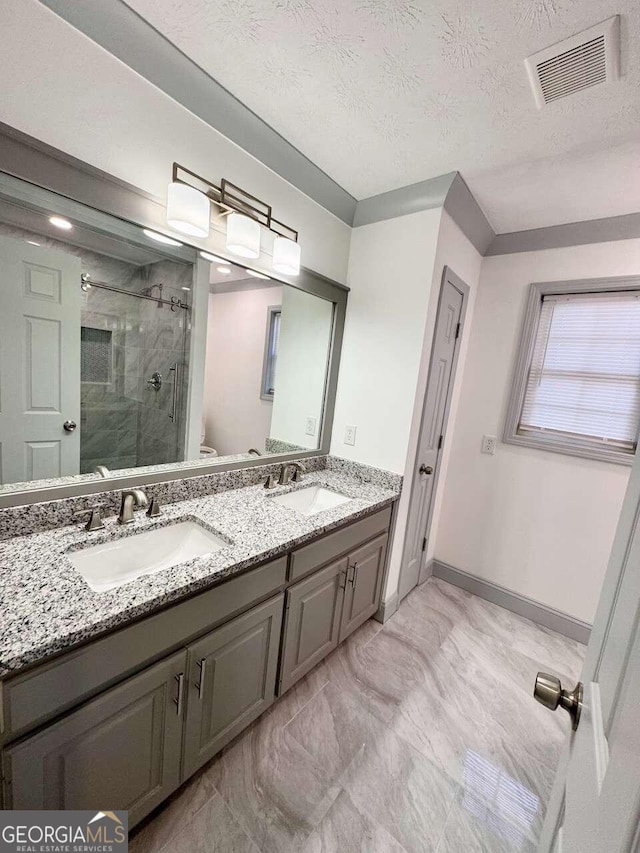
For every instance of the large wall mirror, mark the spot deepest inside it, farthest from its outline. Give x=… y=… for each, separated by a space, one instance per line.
x=123 y=355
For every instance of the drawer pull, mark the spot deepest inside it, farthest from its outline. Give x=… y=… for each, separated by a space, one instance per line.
x=200 y=685
x=178 y=699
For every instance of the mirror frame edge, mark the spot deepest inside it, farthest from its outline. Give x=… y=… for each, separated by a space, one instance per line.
x=31 y=160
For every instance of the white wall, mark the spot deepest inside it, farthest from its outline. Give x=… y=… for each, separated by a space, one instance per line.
x=390 y=276
x=236 y=418
x=454 y=250
x=62 y=88
x=301 y=367
x=538 y=523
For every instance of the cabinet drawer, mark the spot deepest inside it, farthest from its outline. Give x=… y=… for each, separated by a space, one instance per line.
x=316 y=554
x=47 y=690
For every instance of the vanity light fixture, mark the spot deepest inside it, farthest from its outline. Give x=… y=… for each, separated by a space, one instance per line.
x=286 y=256
x=188 y=210
x=246 y=216
x=160 y=238
x=224 y=270
x=213 y=258
x=61 y=222
x=243 y=236
x=258 y=274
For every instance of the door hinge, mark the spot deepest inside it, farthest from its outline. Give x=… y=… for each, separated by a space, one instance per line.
x=457 y=332
x=424 y=544
x=440 y=442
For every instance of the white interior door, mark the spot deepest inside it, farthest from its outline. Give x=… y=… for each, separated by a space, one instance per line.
x=437 y=398
x=595 y=804
x=39 y=362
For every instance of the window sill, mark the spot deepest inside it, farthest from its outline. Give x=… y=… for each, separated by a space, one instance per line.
x=569 y=447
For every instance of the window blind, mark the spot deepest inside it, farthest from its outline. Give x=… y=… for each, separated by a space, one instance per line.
x=584 y=379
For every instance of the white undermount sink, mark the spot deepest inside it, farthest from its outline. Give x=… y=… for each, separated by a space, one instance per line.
x=119 y=561
x=311 y=499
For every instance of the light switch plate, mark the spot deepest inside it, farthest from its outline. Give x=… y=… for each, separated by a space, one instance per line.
x=312 y=425
x=350 y=435
x=489 y=443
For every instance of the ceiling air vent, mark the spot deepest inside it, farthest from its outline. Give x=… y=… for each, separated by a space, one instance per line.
x=584 y=60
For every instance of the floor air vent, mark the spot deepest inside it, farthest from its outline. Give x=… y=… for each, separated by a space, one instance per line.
x=584 y=60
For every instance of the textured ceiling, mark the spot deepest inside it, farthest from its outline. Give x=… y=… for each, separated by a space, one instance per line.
x=384 y=93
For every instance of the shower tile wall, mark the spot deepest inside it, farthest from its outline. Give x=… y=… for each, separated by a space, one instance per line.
x=164 y=343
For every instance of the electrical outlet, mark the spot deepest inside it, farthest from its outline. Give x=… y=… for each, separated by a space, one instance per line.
x=311 y=426
x=489 y=443
x=350 y=435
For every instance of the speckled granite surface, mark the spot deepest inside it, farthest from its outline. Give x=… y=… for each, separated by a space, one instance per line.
x=47 y=607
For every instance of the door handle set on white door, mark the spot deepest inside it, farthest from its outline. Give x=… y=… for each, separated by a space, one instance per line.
x=425 y=469
x=548 y=691
x=69 y=426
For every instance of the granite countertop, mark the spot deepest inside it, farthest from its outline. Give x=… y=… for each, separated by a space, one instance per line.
x=47 y=607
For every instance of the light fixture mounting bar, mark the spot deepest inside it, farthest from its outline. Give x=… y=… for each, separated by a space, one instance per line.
x=230 y=197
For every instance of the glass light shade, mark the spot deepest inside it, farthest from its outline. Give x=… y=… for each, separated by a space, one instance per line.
x=188 y=210
x=286 y=256
x=243 y=236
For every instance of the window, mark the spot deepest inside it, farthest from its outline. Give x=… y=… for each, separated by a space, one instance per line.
x=274 y=314
x=577 y=382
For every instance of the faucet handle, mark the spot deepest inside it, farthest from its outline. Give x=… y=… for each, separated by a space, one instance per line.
x=270 y=482
x=95 y=517
x=154 y=508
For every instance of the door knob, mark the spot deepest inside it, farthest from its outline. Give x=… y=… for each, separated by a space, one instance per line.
x=548 y=691
x=425 y=469
x=69 y=426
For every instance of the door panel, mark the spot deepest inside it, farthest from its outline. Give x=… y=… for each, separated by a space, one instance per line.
x=312 y=621
x=122 y=748
x=597 y=792
x=39 y=361
x=232 y=680
x=439 y=382
x=364 y=580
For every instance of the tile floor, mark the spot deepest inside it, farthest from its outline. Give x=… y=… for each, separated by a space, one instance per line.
x=419 y=736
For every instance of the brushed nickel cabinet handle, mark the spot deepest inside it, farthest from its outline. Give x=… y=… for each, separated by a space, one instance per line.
x=178 y=700
x=200 y=685
x=354 y=574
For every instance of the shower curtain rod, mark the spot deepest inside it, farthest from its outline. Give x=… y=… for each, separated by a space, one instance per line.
x=173 y=303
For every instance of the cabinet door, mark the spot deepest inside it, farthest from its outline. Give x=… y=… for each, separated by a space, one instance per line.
x=120 y=751
x=364 y=581
x=312 y=621
x=232 y=680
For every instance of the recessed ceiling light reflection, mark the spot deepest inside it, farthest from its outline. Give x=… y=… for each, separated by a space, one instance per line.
x=161 y=238
x=61 y=222
x=33 y=243
x=224 y=270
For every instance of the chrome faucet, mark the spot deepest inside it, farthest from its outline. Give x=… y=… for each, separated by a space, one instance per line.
x=132 y=499
x=284 y=478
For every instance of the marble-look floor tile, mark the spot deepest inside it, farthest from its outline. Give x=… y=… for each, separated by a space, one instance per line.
x=473 y=827
x=401 y=790
x=273 y=786
x=381 y=673
x=347 y=829
x=160 y=827
x=431 y=611
x=213 y=829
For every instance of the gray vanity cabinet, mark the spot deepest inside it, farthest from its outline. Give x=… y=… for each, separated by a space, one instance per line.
x=232 y=680
x=362 y=588
x=121 y=750
x=312 y=621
